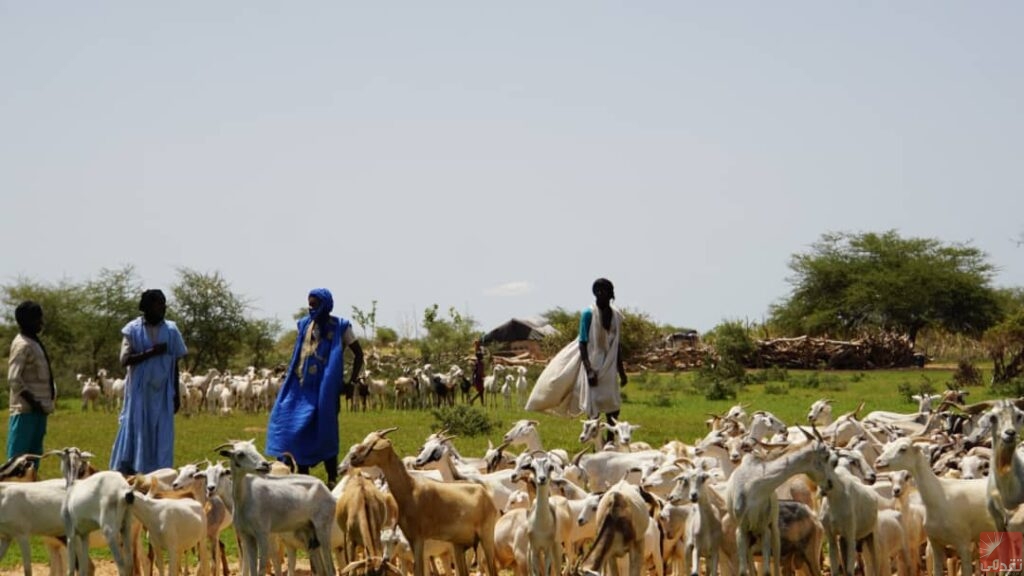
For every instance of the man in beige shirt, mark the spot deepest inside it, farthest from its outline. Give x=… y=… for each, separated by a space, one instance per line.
x=33 y=395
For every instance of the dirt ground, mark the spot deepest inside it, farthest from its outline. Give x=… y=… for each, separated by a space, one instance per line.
x=107 y=568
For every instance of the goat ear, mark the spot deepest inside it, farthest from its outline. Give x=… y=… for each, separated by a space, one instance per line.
x=87 y=455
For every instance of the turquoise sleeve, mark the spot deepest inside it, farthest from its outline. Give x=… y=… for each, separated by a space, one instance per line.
x=585 y=318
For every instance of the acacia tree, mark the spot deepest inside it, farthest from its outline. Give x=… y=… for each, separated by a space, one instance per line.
x=851 y=282
x=108 y=302
x=210 y=316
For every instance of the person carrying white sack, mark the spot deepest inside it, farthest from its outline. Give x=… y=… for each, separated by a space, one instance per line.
x=581 y=378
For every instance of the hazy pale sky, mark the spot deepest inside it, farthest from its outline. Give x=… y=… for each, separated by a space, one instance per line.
x=497 y=157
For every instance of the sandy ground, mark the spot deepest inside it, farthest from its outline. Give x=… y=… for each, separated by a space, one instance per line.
x=107 y=568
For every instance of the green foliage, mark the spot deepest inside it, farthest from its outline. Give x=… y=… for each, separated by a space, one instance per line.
x=447 y=340
x=776 y=389
x=366 y=319
x=211 y=318
x=907 y=390
x=967 y=374
x=1011 y=389
x=716 y=389
x=851 y=282
x=1005 y=345
x=462 y=420
x=568 y=326
x=386 y=336
x=639 y=334
x=770 y=374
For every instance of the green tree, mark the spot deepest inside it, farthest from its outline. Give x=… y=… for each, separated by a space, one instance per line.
x=447 y=339
x=1005 y=345
x=63 y=323
x=210 y=316
x=260 y=344
x=851 y=282
x=109 y=302
x=639 y=332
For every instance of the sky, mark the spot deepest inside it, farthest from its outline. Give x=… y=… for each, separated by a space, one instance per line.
x=498 y=157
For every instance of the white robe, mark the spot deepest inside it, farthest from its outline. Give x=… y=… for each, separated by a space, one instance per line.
x=562 y=388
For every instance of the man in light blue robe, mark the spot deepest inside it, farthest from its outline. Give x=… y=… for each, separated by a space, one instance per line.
x=304 y=421
x=150 y=351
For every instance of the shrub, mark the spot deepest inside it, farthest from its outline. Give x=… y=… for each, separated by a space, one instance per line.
x=776 y=389
x=715 y=389
x=967 y=374
x=1013 y=389
x=463 y=420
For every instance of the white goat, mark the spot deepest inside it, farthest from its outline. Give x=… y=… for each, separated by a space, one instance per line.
x=959 y=531
x=98 y=502
x=703 y=534
x=174 y=525
x=751 y=500
x=271 y=504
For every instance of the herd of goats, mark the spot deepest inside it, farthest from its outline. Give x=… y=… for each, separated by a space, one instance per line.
x=876 y=493
x=254 y=391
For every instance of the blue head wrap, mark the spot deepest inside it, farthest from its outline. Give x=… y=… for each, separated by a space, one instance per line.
x=326 y=303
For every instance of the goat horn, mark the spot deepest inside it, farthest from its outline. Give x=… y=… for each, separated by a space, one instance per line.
x=386 y=431
x=683 y=460
x=806 y=433
x=576 y=458
x=533 y=422
x=224 y=445
x=856 y=412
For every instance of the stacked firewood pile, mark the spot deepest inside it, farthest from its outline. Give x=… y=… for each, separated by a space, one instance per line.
x=671 y=359
x=873 y=351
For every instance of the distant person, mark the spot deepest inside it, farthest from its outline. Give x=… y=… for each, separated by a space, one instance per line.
x=33 y=395
x=478 y=373
x=600 y=350
x=150 y=351
x=304 y=421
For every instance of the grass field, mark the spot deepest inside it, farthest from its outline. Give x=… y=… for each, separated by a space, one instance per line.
x=663 y=404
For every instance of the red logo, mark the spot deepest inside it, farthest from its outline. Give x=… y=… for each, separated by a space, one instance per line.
x=1001 y=551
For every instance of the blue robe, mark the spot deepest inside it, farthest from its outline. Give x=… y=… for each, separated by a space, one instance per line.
x=304 y=421
x=145 y=438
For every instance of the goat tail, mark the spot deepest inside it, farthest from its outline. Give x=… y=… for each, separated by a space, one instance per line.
x=602 y=542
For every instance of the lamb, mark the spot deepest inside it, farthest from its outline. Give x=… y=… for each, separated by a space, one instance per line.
x=959 y=531
x=704 y=524
x=273 y=504
x=462 y=514
x=174 y=525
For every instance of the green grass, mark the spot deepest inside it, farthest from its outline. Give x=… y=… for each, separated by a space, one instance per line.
x=663 y=404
